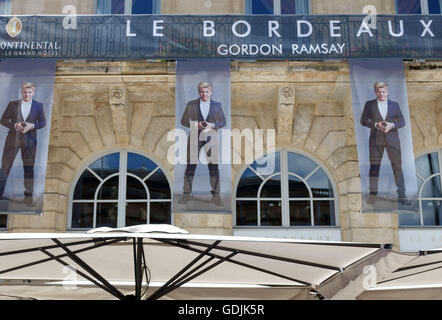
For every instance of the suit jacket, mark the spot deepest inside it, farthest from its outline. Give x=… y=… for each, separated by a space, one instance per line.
x=371 y=115
x=13 y=115
x=193 y=113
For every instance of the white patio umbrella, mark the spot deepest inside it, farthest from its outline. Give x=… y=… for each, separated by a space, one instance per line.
x=419 y=279
x=164 y=262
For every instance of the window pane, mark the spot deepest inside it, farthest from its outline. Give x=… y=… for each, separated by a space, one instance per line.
x=136 y=213
x=160 y=212
x=272 y=188
x=246 y=213
x=109 y=190
x=431 y=188
x=107 y=165
x=288 y=6
x=300 y=213
x=431 y=212
x=434 y=6
x=3 y=220
x=86 y=186
x=409 y=6
x=141 y=6
x=139 y=165
x=324 y=213
x=271 y=213
x=248 y=185
x=320 y=185
x=135 y=189
x=82 y=215
x=406 y=219
x=107 y=214
x=300 y=165
x=297 y=188
x=158 y=186
x=268 y=164
x=427 y=165
x=117 y=7
x=262 y=6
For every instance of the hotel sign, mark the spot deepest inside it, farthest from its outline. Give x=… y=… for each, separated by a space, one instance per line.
x=222 y=36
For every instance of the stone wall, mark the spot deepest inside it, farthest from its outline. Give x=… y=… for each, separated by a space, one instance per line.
x=350 y=7
x=101 y=106
x=20 y=7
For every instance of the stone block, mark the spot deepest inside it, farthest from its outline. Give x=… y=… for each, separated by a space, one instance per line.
x=76 y=142
x=333 y=141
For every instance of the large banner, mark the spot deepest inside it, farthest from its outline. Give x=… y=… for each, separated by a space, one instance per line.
x=221 y=36
x=26 y=94
x=202 y=175
x=383 y=134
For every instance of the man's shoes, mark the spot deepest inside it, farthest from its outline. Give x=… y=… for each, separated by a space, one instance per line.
x=184 y=199
x=29 y=201
x=404 y=200
x=371 y=199
x=216 y=199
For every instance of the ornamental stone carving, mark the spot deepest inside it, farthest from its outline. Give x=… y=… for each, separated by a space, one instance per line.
x=120 y=113
x=286 y=108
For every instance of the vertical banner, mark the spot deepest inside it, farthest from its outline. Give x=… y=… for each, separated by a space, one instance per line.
x=383 y=134
x=202 y=176
x=26 y=94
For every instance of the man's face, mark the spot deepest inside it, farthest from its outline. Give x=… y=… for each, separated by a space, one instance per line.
x=27 y=94
x=381 y=93
x=205 y=94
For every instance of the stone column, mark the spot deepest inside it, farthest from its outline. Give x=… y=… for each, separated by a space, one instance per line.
x=121 y=112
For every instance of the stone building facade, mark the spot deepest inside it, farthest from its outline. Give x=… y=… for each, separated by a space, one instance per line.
x=105 y=106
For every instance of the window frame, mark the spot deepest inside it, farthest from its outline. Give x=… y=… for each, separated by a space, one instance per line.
x=122 y=187
x=424 y=181
x=424 y=7
x=276 y=7
x=285 y=199
x=156 y=7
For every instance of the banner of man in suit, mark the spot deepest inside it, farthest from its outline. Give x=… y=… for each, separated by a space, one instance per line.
x=26 y=94
x=383 y=134
x=202 y=111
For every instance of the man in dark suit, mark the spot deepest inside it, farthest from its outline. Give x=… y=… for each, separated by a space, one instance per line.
x=205 y=115
x=23 y=118
x=384 y=118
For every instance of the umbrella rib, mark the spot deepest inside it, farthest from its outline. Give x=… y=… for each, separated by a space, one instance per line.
x=416 y=266
x=56 y=258
x=89 y=269
x=182 y=281
x=45 y=247
x=263 y=255
x=408 y=275
x=164 y=287
x=59 y=256
x=243 y=264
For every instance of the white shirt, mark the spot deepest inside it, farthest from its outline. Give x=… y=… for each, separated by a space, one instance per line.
x=383 y=108
x=25 y=109
x=205 y=107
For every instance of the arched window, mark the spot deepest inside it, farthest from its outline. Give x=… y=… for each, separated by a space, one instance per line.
x=120 y=189
x=429 y=192
x=297 y=192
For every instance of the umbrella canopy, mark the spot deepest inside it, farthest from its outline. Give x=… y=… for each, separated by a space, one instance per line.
x=164 y=262
x=420 y=279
